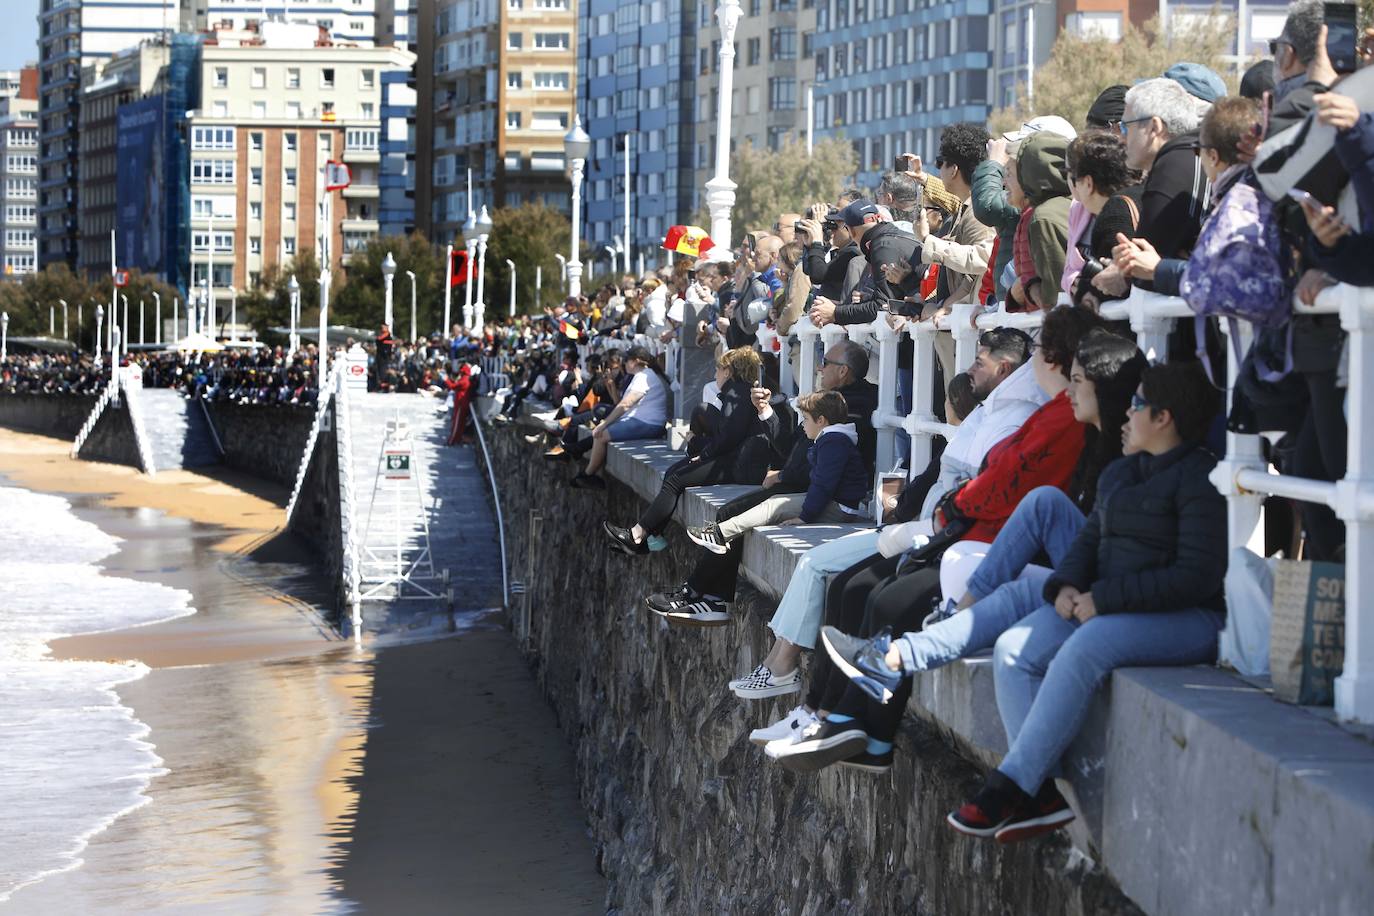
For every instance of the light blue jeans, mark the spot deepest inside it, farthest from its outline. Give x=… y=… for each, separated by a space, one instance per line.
x=799 y=614
x=1006 y=585
x=1047 y=670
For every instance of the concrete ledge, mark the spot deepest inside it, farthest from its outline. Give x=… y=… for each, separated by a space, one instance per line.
x=1195 y=790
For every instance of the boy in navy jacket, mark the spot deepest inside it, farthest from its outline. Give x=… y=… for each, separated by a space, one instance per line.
x=840 y=478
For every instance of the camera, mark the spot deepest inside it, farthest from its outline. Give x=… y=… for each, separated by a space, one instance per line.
x=905 y=309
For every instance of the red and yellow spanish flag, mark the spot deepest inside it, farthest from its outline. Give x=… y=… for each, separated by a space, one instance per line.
x=569 y=330
x=688 y=240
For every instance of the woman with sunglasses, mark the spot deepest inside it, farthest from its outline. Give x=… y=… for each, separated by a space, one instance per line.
x=1108 y=191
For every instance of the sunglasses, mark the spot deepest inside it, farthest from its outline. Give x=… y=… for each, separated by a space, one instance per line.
x=1138 y=403
x=826 y=361
x=940 y=162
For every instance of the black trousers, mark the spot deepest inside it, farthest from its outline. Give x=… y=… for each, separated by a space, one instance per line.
x=718 y=574
x=685 y=473
x=846 y=599
x=1319 y=454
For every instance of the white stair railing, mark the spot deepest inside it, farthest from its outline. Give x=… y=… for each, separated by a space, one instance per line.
x=106 y=396
x=321 y=408
x=351 y=571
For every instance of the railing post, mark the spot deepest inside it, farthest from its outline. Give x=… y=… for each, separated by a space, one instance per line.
x=1151 y=331
x=922 y=392
x=806 y=337
x=786 y=382
x=887 y=389
x=965 y=334
x=1243 y=452
x=1355 y=687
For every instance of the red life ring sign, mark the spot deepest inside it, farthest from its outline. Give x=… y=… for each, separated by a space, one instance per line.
x=357 y=370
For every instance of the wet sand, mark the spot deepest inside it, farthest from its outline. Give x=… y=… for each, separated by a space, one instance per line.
x=306 y=774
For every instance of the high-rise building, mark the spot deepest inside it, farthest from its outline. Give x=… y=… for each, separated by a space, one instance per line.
x=354 y=21
x=276 y=105
x=18 y=171
x=775 y=67
x=890 y=74
x=496 y=91
x=397 y=25
x=637 y=72
x=127 y=76
x=73 y=34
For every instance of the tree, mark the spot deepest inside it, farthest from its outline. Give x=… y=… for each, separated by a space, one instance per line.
x=361 y=302
x=1080 y=68
x=140 y=287
x=529 y=235
x=27 y=301
x=269 y=305
x=785 y=181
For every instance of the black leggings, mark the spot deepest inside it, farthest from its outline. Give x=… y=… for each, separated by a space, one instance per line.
x=685 y=473
x=1319 y=454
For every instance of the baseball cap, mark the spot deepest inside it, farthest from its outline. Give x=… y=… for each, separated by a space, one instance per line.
x=1109 y=107
x=1051 y=123
x=1200 y=82
x=855 y=213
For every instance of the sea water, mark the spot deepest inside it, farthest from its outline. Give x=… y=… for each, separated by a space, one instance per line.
x=72 y=757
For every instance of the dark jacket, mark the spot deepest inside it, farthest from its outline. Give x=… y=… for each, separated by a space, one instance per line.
x=1351 y=259
x=992 y=208
x=838 y=473
x=828 y=276
x=881 y=244
x=1155 y=540
x=731 y=423
x=862 y=399
x=740 y=332
x=1172 y=206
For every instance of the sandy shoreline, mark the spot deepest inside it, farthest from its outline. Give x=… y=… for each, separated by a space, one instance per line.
x=305 y=774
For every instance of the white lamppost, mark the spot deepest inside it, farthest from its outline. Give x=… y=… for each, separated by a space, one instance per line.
x=720 y=190
x=99 y=321
x=65 y=335
x=388 y=275
x=628 y=187
x=293 y=291
x=448 y=286
x=511 y=265
x=157 y=308
x=411 y=275
x=124 y=327
x=323 y=351
x=576 y=145
x=79 y=323
x=483 y=233
x=142 y=337
x=52 y=321
x=470 y=242
x=562 y=271
x=538 y=285
x=206 y=316
x=4 y=335
x=176 y=303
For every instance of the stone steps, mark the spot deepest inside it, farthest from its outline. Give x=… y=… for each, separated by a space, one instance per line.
x=179 y=434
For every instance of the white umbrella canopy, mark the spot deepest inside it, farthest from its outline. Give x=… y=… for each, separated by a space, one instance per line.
x=198 y=343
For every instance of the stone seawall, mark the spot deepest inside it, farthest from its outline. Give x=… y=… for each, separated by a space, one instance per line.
x=687 y=815
x=57 y=415
x=261 y=440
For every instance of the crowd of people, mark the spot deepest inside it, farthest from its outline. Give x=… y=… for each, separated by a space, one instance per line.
x=1068 y=523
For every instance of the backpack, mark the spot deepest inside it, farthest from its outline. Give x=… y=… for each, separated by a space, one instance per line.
x=1241 y=270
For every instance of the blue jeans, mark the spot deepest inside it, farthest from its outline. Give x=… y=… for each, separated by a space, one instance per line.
x=799 y=613
x=1047 y=670
x=1045 y=520
x=632 y=428
x=1006 y=585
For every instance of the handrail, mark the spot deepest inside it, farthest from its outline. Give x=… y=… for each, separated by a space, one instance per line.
x=496 y=502
x=321 y=406
x=350 y=571
x=210 y=422
x=103 y=401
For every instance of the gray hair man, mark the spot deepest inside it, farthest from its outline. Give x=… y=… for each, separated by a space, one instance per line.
x=1161 y=123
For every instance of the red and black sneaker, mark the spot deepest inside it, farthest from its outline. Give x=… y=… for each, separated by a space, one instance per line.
x=1045 y=813
x=996 y=805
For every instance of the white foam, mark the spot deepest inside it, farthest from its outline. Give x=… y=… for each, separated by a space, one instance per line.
x=73 y=758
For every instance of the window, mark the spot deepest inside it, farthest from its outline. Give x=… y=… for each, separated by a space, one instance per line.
x=288 y=212
x=259 y=78
x=255 y=210
x=514 y=80
x=368 y=111
x=367 y=78
x=782 y=44
x=288 y=245
x=255 y=141
x=551 y=41
x=752 y=51
x=255 y=176
x=212 y=171
x=326 y=77
x=512 y=120
x=550 y=4
x=201 y=242
x=221 y=78
x=782 y=94
x=18 y=238
x=515 y=41
x=19 y=214
x=293 y=77
x=290 y=138
x=219 y=206
x=515 y=4
x=549 y=120
x=220 y=109
x=260 y=111
x=293 y=111
x=552 y=80
x=212 y=138
x=290 y=178
x=361 y=138
x=255 y=244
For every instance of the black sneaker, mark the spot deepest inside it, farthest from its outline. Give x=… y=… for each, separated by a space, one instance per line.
x=621 y=539
x=696 y=611
x=587 y=482
x=667 y=599
x=996 y=805
x=708 y=536
x=823 y=744
x=1045 y=813
x=870 y=763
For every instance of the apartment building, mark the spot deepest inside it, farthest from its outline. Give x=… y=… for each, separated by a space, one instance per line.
x=18 y=172
x=397 y=26
x=637 y=78
x=345 y=21
x=499 y=76
x=107 y=85
x=891 y=74
x=277 y=105
x=775 y=68
x=73 y=34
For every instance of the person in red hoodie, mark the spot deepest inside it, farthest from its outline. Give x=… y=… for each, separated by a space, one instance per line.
x=460 y=383
x=1044 y=451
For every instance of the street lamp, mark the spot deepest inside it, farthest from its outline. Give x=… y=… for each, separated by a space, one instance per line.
x=293 y=289
x=323 y=352
x=65 y=335
x=720 y=190
x=4 y=335
x=52 y=321
x=157 y=324
x=562 y=271
x=411 y=275
x=483 y=233
x=470 y=242
x=388 y=274
x=448 y=286
x=205 y=315
x=511 y=265
x=576 y=145
x=175 y=309
x=99 y=320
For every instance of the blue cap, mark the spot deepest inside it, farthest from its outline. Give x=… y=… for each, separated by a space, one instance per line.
x=1200 y=82
x=855 y=213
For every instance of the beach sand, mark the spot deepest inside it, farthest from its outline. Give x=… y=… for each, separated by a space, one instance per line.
x=306 y=774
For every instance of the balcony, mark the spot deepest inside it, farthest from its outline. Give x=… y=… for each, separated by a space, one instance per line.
x=361 y=190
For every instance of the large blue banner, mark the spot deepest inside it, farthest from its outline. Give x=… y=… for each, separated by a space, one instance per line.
x=140 y=190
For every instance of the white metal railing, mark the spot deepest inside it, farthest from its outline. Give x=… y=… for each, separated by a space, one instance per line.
x=350 y=567
x=106 y=396
x=496 y=505
x=321 y=407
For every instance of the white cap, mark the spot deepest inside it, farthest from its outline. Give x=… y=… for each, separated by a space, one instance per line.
x=1052 y=123
x=718 y=255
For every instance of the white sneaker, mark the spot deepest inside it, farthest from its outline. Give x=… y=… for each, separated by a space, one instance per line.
x=779 y=747
x=763 y=684
x=741 y=681
x=786 y=727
